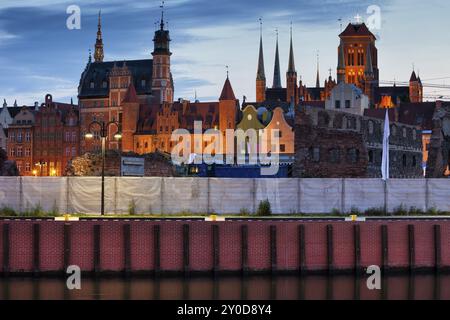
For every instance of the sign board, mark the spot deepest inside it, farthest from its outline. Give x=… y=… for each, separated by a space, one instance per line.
x=132 y=167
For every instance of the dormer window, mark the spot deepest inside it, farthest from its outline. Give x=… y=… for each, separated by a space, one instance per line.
x=92 y=85
x=105 y=84
x=143 y=83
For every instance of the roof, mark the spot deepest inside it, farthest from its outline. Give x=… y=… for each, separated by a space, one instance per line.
x=413 y=77
x=98 y=72
x=227 y=91
x=276 y=94
x=353 y=30
x=13 y=111
x=131 y=96
x=315 y=93
x=269 y=104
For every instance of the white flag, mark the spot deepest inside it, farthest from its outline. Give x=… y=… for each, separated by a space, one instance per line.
x=385 y=160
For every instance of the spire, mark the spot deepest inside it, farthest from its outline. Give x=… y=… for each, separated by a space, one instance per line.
x=162 y=15
x=99 y=55
x=318 y=72
x=71 y=101
x=4 y=103
x=227 y=91
x=341 y=64
x=15 y=103
x=261 y=74
x=413 y=77
x=291 y=66
x=276 y=72
x=369 y=66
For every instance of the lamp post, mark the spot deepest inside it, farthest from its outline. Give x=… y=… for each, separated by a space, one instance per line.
x=104 y=127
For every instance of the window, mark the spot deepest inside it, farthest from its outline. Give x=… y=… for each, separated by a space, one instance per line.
x=146 y=145
x=19 y=152
x=92 y=85
x=19 y=137
x=67 y=137
x=404 y=132
x=337 y=104
x=314 y=154
x=104 y=85
x=74 y=136
x=137 y=145
x=414 y=161
x=11 y=136
x=12 y=152
x=143 y=83
x=393 y=130
x=347 y=104
x=28 y=136
x=334 y=155
x=27 y=152
x=414 y=134
x=67 y=152
x=371 y=157
x=370 y=125
x=404 y=160
x=74 y=151
x=282 y=148
x=27 y=167
x=353 y=155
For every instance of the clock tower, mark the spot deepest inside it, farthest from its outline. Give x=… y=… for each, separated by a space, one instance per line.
x=162 y=83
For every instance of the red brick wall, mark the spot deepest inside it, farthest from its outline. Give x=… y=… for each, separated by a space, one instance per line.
x=201 y=245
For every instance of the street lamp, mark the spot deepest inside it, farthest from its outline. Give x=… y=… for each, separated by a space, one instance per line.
x=104 y=126
x=39 y=164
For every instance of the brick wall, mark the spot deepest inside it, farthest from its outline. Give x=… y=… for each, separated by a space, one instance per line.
x=198 y=255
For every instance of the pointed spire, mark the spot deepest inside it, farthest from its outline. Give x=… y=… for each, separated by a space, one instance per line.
x=4 y=103
x=227 y=91
x=413 y=77
x=71 y=101
x=99 y=54
x=162 y=15
x=291 y=66
x=261 y=74
x=369 y=66
x=318 y=72
x=15 y=103
x=276 y=72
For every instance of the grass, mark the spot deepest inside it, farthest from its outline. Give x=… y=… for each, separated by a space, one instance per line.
x=264 y=210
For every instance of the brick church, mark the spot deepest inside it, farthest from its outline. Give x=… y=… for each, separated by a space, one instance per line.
x=139 y=95
x=357 y=64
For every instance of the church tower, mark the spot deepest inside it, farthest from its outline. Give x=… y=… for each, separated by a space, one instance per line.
x=98 y=54
x=291 y=77
x=162 y=85
x=276 y=70
x=415 y=88
x=369 y=76
x=260 y=74
x=227 y=111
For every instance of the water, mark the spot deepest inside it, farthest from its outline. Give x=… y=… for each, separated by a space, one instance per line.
x=422 y=287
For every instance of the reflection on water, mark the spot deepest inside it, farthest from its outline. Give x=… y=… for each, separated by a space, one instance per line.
x=230 y=288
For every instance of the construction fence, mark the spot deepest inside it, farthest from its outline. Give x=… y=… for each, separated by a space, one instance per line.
x=167 y=196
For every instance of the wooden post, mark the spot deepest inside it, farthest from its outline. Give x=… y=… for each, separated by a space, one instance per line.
x=216 y=248
x=157 y=249
x=244 y=249
x=36 y=248
x=384 y=248
x=437 y=247
x=6 y=246
x=330 y=262
x=302 y=249
x=412 y=255
x=97 y=266
x=127 y=248
x=186 y=249
x=357 y=238
x=273 y=248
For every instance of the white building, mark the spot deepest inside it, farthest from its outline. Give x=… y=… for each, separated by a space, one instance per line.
x=348 y=98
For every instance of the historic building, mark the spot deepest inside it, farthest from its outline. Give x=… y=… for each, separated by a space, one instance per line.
x=357 y=64
x=337 y=144
x=42 y=140
x=104 y=85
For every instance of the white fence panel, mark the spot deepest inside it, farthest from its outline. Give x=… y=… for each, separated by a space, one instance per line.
x=185 y=195
x=10 y=193
x=85 y=195
x=281 y=193
x=363 y=194
x=50 y=193
x=320 y=196
x=406 y=193
x=144 y=194
x=231 y=196
x=439 y=194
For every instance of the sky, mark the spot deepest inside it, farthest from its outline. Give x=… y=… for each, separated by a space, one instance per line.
x=40 y=55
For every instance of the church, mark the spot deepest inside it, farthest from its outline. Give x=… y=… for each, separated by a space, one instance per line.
x=357 y=65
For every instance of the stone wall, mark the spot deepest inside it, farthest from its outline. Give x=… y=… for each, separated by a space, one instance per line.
x=438 y=165
x=328 y=130
x=90 y=164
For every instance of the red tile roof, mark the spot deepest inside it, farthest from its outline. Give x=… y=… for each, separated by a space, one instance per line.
x=356 y=30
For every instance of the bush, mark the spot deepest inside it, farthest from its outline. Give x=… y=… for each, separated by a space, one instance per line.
x=400 y=211
x=355 y=211
x=264 y=209
x=375 y=212
x=7 y=212
x=244 y=212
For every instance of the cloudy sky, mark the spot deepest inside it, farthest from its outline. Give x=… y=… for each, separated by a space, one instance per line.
x=39 y=55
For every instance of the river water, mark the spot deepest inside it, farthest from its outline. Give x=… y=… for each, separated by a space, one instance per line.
x=401 y=287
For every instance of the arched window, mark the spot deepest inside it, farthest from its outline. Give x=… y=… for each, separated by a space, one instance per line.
x=371 y=157
x=370 y=125
x=334 y=155
x=414 y=161
x=352 y=155
x=404 y=160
